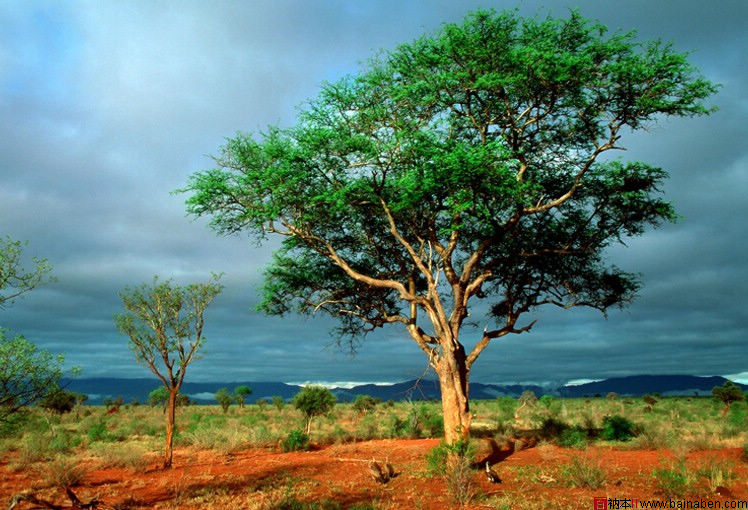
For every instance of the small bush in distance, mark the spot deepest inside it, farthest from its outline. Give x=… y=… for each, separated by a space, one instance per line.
x=617 y=428
x=59 y=400
x=224 y=398
x=295 y=441
x=241 y=393
x=727 y=394
x=365 y=403
x=278 y=402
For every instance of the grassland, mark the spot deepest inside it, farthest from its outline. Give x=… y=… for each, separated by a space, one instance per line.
x=567 y=447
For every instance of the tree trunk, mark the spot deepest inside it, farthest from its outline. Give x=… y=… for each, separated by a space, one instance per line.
x=170 y=427
x=453 y=381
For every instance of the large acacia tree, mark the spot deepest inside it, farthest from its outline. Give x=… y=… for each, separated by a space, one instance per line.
x=465 y=167
x=165 y=323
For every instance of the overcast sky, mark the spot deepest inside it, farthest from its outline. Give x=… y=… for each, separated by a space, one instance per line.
x=106 y=107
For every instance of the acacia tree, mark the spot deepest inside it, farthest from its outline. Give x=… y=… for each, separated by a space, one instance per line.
x=14 y=279
x=465 y=167
x=165 y=325
x=27 y=374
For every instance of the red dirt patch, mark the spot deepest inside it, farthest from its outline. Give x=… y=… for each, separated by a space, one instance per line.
x=258 y=478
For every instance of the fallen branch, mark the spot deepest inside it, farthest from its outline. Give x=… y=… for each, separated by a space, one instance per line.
x=75 y=502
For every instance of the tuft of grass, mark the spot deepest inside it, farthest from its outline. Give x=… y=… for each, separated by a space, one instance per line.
x=127 y=456
x=583 y=473
x=674 y=481
x=63 y=472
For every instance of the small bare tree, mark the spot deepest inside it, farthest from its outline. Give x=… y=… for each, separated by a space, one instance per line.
x=165 y=325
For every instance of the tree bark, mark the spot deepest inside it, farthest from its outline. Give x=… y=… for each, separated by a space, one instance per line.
x=453 y=381
x=170 y=427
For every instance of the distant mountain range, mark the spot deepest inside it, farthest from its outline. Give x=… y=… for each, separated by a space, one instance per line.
x=99 y=389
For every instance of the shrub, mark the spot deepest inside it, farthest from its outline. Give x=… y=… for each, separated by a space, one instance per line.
x=59 y=400
x=727 y=394
x=551 y=428
x=224 y=398
x=99 y=432
x=436 y=459
x=617 y=428
x=278 y=402
x=649 y=400
x=573 y=437
x=313 y=401
x=295 y=441
x=365 y=403
x=241 y=393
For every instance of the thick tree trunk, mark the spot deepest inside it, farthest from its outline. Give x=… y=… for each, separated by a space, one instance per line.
x=170 y=427
x=453 y=380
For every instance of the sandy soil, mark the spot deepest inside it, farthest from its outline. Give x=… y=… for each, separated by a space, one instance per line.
x=259 y=478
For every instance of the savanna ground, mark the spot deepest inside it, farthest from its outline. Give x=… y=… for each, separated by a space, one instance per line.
x=551 y=453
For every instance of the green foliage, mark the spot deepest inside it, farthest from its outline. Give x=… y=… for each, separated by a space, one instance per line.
x=365 y=403
x=278 y=402
x=436 y=459
x=99 y=431
x=313 y=401
x=224 y=398
x=617 y=428
x=164 y=323
x=241 y=393
x=728 y=393
x=27 y=374
x=489 y=140
x=59 y=400
x=573 y=437
x=674 y=481
x=295 y=441
x=158 y=396
x=14 y=279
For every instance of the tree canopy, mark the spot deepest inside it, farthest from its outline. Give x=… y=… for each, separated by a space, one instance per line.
x=14 y=279
x=469 y=166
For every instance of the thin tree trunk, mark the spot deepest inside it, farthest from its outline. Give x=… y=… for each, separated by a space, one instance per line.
x=170 y=427
x=453 y=380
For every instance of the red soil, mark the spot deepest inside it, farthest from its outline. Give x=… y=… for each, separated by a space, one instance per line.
x=206 y=479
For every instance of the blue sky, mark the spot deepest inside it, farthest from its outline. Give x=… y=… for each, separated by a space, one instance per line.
x=106 y=107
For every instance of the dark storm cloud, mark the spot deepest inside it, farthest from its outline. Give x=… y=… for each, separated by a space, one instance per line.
x=107 y=107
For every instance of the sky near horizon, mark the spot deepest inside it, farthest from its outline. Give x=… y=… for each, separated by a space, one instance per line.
x=107 y=107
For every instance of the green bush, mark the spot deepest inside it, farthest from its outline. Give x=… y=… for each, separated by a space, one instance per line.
x=573 y=437
x=295 y=441
x=365 y=403
x=436 y=459
x=617 y=428
x=98 y=432
x=551 y=428
x=314 y=401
